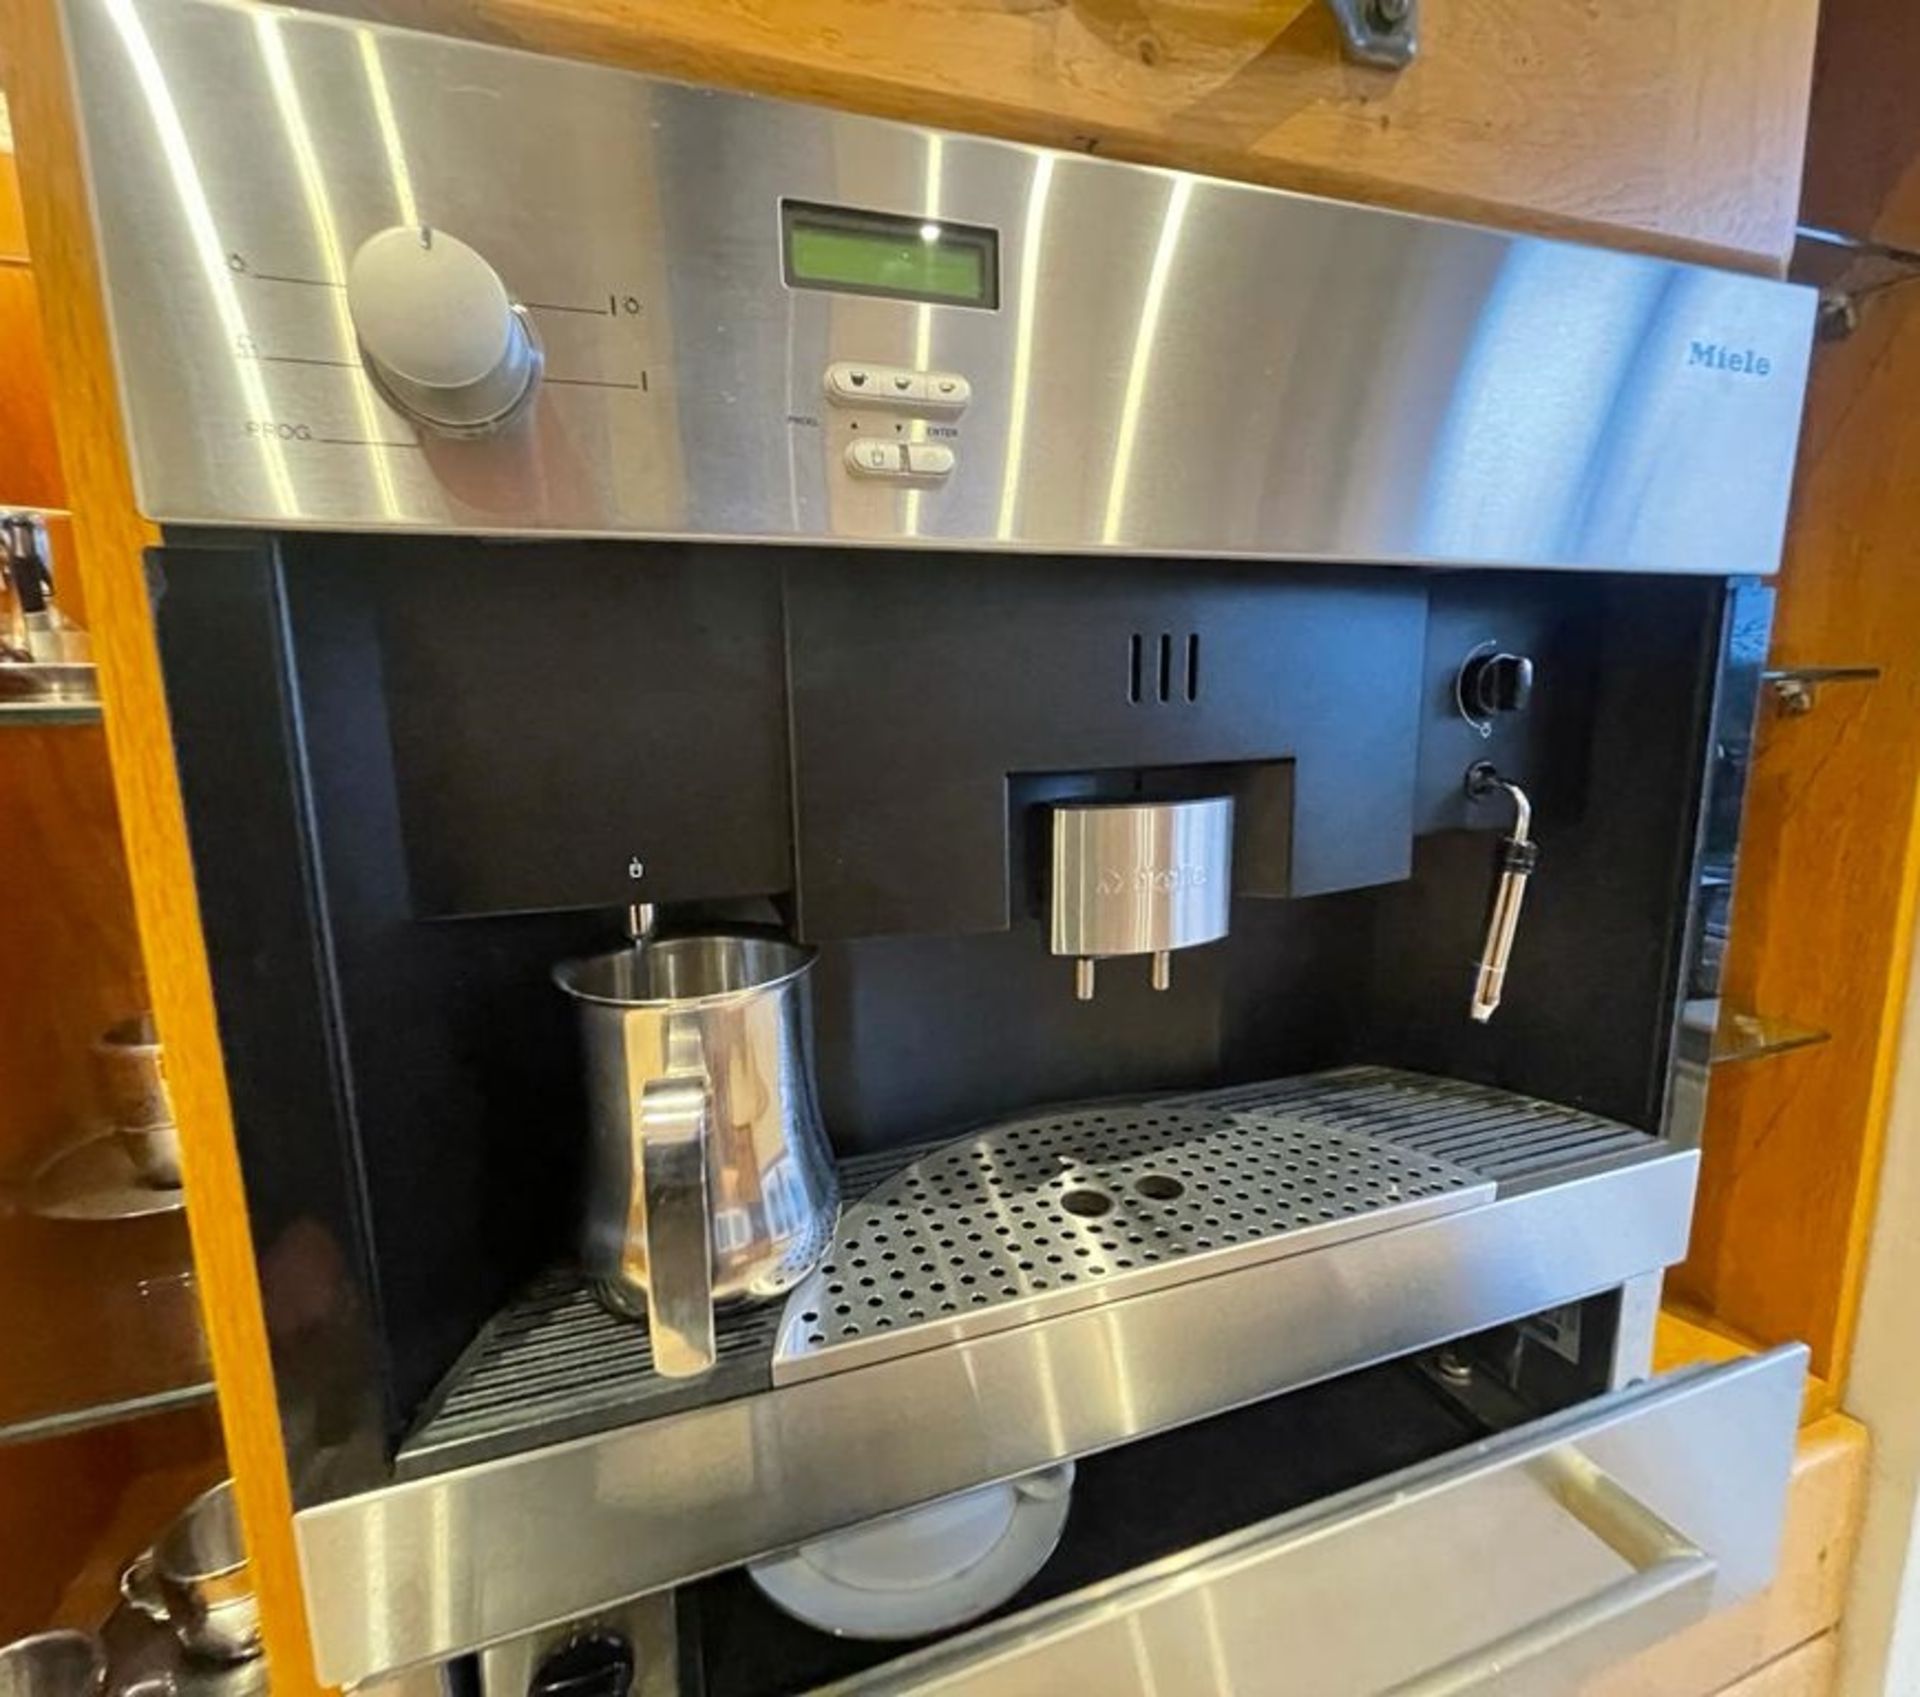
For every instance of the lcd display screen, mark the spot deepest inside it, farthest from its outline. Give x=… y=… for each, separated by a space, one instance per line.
x=876 y=253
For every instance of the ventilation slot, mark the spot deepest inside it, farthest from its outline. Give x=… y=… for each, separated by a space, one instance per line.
x=1162 y=653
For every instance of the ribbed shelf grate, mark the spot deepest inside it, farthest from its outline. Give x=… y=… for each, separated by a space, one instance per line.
x=1263 y=1170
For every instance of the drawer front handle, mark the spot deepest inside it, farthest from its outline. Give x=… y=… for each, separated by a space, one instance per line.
x=1667 y=1565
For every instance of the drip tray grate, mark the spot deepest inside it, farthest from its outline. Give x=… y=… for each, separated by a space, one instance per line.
x=1026 y=1219
x=1043 y=1215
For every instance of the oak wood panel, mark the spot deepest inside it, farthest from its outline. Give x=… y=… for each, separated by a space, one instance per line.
x=1863 y=147
x=1683 y=1338
x=158 y=1467
x=29 y=457
x=1824 y=1503
x=13 y=228
x=74 y=1509
x=1824 y=908
x=1813 y=1670
x=109 y=537
x=1673 y=123
x=69 y=954
x=56 y=1499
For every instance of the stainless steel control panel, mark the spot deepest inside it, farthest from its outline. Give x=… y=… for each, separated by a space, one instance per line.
x=361 y=278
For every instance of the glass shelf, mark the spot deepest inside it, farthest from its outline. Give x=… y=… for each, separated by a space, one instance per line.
x=53 y=712
x=1741 y=1035
x=101 y=1321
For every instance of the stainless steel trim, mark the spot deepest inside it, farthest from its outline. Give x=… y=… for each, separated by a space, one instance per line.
x=1634 y=1331
x=1745 y=637
x=1396 y=1585
x=1178 y=365
x=422 y=1570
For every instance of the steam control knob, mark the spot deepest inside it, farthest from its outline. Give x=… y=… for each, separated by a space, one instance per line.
x=438 y=331
x=1493 y=681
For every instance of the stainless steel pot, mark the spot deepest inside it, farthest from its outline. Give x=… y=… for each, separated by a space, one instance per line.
x=196 y=1579
x=710 y=1179
x=53 y=1664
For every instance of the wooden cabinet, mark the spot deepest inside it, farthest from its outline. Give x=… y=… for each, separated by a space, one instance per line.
x=1672 y=124
x=106 y=1418
x=1863 y=150
x=1669 y=123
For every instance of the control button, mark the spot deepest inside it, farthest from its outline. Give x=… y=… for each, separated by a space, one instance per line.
x=948 y=389
x=855 y=383
x=875 y=459
x=438 y=330
x=861 y=384
x=929 y=459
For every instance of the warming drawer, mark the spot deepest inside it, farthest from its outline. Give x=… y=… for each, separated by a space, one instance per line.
x=1519 y=1563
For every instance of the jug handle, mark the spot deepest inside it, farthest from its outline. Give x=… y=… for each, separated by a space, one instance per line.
x=140 y=1587
x=673 y=1159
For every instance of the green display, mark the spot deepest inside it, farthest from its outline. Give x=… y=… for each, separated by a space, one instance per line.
x=872 y=254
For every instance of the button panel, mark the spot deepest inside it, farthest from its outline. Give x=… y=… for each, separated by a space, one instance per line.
x=899 y=459
x=856 y=383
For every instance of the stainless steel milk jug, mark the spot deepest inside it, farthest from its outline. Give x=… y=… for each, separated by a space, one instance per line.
x=710 y=1180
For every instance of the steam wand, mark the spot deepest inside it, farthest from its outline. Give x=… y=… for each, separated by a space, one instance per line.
x=1516 y=858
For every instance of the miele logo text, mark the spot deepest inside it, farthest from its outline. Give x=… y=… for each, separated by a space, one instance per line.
x=1155 y=880
x=1742 y=362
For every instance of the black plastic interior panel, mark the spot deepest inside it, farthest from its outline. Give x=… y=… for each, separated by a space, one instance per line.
x=921 y=685
x=364 y=752
x=578 y=727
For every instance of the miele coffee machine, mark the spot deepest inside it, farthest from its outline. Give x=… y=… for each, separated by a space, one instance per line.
x=1130 y=769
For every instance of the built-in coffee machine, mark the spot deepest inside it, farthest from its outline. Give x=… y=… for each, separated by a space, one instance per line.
x=891 y=824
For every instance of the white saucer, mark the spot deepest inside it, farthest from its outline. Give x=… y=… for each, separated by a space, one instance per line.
x=926 y=1570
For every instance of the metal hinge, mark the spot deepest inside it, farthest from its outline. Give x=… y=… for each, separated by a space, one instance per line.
x=1379 y=32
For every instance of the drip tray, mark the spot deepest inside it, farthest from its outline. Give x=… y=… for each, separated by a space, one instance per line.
x=1043 y=1216
x=1032 y=1219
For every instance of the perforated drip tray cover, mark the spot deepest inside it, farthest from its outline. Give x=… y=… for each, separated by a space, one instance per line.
x=1039 y=1216
x=1027 y=1219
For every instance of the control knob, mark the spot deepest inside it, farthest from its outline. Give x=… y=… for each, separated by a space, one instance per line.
x=595 y=1664
x=1492 y=681
x=438 y=331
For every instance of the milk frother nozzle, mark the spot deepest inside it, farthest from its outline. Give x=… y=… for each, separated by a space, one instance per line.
x=1514 y=862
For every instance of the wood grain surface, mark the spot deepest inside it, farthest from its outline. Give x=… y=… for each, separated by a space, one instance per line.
x=13 y=227
x=110 y=537
x=1813 y=1670
x=1863 y=147
x=159 y=1466
x=1824 y=906
x=1677 y=124
x=29 y=460
x=56 y=1499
